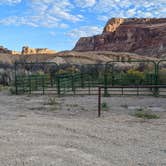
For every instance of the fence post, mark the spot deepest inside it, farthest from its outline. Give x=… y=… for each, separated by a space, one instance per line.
x=72 y=83
x=82 y=80
x=99 y=101
x=156 y=90
x=51 y=80
x=89 y=85
x=43 y=84
x=23 y=85
x=156 y=72
x=105 y=84
x=29 y=78
x=58 y=86
x=16 y=88
x=16 y=85
x=36 y=82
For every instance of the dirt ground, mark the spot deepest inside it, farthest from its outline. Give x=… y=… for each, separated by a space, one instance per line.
x=48 y=131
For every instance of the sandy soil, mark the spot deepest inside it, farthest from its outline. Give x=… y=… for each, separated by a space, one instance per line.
x=68 y=132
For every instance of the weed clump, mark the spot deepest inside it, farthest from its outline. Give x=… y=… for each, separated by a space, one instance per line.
x=145 y=114
x=52 y=101
x=104 y=106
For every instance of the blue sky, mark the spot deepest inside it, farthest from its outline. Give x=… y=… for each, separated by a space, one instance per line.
x=58 y=24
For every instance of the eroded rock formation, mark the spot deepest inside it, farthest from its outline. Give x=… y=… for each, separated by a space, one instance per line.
x=15 y=52
x=5 y=50
x=142 y=36
x=113 y=24
x=27 y=50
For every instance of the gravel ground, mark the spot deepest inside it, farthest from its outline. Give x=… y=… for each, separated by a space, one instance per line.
x=37 y=131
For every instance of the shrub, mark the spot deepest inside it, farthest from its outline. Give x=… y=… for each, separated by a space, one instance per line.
x=52 y=101
x=145 y=114
x=135 y=76
x=71 y=70
x=104 y=106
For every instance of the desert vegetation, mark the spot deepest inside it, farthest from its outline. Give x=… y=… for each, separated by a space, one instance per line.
x=66 y=125
x=145 y=114
x=40 y=129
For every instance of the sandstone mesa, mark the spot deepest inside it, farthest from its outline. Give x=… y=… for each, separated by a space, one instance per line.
x=144 y=36
x=121 y=40
x=27 y=50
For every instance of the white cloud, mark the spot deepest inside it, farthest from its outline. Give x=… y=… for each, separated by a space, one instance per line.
x=46 y=13
x=61 y=9
x=59 y=13
x=85 y=31
x=131 y=12
x=13 y=20
x=63 y=14
x=34 y=21
x=103 y=18
x=128 y=8
x=10 y=1
x=85 y=3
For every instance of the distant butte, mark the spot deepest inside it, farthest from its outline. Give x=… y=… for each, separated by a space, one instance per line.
x=27 y=50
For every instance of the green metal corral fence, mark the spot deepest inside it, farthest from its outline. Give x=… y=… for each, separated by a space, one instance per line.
x=50 y=78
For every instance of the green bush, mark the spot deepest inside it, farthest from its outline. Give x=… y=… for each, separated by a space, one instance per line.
x=135 y=76
x=104 y=106
x=162 y=76
x=145 y=114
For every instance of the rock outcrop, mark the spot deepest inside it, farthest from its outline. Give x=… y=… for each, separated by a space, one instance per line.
x=5 y=50
x=113 y=24
x=15 y=53
x=143 y=36
x=26 y=51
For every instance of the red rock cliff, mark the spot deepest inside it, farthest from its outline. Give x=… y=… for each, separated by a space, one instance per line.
x=144 y=36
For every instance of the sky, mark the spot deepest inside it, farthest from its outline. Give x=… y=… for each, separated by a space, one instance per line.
x=58 y=24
